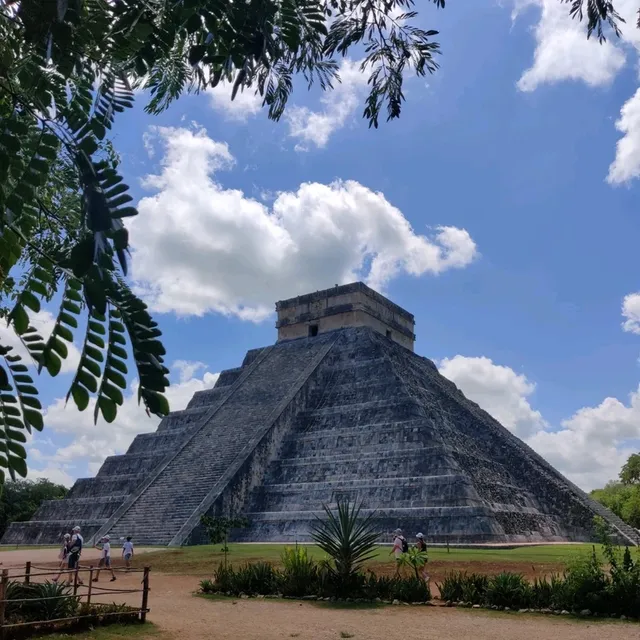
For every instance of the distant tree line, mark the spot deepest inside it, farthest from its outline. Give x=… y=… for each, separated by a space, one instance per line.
x=22 y=498
x=622 y=496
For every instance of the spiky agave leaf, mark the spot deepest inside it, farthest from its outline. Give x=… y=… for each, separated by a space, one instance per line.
x=345 y=536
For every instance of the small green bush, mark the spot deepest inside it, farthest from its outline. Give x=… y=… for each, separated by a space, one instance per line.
x=474 y=588
x=411 y=590
x=299 y=576
x=223 y=578
x=508 y=590
x=462 y=587
x=35 y=608
x=452 y=586
x=541 y=593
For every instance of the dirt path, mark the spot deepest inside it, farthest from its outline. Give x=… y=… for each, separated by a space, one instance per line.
x=14 y=558
x=181 y=615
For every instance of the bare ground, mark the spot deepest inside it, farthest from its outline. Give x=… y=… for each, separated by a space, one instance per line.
x=180 y=615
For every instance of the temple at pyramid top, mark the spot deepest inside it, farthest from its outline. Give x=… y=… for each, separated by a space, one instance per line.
x=340 y=407
x=349 y=305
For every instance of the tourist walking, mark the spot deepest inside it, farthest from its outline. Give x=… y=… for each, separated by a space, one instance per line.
x=63 y=556
x=127 y=552
x=400 y=546
x=421 y=545
x=75 y=550
x=105 y=558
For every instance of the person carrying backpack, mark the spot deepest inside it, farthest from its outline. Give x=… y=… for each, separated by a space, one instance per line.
x=400 y=546
x=75 y=549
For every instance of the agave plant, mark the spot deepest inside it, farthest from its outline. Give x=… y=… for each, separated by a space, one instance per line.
x=349 y=539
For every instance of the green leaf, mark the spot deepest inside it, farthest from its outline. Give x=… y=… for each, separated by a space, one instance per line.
x=4 y=378
x=18 y=449
x=30 y=301
x=107 y=408
x=52 y=362
x=20 y=319
x=34 y=418
x=88 y=381
x=80 y=396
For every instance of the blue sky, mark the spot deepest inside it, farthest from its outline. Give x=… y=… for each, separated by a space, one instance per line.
x=524 y=146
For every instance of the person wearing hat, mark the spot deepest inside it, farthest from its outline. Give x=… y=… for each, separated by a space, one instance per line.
x=421 y=545
x=75 y=549
x=400 y=546
x=63 y=556
x=105 y=558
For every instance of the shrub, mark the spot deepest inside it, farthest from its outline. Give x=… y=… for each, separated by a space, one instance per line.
x=462 y=587
x=35 y=607
x=223 y=578
x=379 y=587
x=452 y=587
x=474 y=588
x=299 y=576
x=349 y=540
x=416 y=559
x=585 y=586
x=508 y=590
x=411 y=590
x=208 y=586
x=541 y=593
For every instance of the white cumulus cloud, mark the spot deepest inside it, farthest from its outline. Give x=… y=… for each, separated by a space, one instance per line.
x=631 y=313
x=200 y=247
x=498 y=390
x=589 y=448
x=338 y=106
x=563 y=52
x=89 y=444
x=626 y=165
x=44 y=322
x=247 y=102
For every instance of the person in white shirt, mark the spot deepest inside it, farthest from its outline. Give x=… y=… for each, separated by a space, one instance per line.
x=75 y=551
x=399 y=547
x=63 y=556
x=105 y=558
x=127 y=552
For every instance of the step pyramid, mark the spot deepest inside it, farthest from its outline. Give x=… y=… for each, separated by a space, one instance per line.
x=340 y=407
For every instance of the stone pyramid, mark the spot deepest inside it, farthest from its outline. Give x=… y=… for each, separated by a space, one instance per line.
x=339 y=407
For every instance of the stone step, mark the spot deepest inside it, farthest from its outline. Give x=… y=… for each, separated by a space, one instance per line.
x=185 y=419
x=104 y=486
x=132 y=462
x=418 y=461
x=36 y=532
x=179 y=488
x=166 y=441
x=207 y=398
x=367 y=439
x=93 y=508
x=447 y=490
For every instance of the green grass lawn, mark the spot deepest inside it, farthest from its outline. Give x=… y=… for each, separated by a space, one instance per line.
x=199 y=560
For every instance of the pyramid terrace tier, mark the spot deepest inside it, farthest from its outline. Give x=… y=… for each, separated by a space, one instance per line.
x=307 y=422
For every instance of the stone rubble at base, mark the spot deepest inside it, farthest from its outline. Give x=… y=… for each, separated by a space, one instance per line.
x=342 y=410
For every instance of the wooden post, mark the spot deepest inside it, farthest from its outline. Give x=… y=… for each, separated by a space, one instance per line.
x=3 y=596
x=145 y=595
x=75 y=581
x=27 y=572
x=89 y=587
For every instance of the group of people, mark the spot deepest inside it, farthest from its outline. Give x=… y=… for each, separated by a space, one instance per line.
x=71 y=551
x=401 y=546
